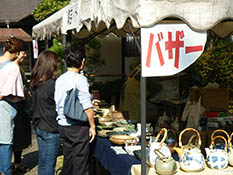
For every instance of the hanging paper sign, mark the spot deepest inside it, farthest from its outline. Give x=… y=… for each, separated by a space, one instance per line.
x=168 y=49
x=35 y=49
x=70 y=17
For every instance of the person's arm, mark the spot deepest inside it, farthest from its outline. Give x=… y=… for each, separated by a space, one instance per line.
x=85 y=100
x=90 y=115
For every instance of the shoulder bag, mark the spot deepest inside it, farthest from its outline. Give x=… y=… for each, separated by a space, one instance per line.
x=72 y=107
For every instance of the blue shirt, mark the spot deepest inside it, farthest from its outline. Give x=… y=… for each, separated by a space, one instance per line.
x=64 y=83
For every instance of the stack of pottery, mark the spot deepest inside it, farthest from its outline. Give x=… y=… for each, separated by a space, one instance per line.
x=190 y=156
x=217 y=157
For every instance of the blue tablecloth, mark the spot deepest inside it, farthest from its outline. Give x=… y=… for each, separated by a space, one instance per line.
x=117 y=164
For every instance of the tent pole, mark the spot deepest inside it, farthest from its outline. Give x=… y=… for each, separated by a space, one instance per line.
x=143 y=124
x=131 y=30
x=46 y=43
x=64 y=41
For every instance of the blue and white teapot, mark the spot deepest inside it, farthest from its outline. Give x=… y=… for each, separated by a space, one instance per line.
x=230 y=151
x=190 y=156
x=217 y=158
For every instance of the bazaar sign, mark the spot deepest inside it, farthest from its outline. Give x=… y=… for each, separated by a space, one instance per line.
x=168 y=49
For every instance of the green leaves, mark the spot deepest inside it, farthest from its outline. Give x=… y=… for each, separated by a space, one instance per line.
x=216 y=63
x=48 y=7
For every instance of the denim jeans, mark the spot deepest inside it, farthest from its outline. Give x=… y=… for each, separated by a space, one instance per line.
x=5 y=158
x=48 y=144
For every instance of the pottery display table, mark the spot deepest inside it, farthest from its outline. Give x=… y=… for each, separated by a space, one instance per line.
x=116 y=164
x=136 y=170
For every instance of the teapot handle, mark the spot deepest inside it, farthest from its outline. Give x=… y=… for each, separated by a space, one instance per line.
x=159 y=153
x=219 y=130
x=191 y=140
x=189 y=129
x=230 y=140
x=163 y=130
x=216 y=137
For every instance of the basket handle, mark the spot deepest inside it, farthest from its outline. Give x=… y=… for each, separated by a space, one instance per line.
x=163 y=130
x=216 y=137
x=219 y=130
x=159 y=153
x=230 y=140
x=189 y=129
x=191 y=140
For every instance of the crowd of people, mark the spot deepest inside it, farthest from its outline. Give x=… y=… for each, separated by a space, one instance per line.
x=51 y=126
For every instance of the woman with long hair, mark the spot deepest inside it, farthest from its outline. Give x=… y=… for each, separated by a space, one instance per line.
x=44 y=113
x=11 y=91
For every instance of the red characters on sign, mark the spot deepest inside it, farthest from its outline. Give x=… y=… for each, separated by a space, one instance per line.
x=169 y=46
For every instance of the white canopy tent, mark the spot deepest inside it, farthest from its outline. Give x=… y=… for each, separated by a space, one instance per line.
x=86 y=17
x=94 y=16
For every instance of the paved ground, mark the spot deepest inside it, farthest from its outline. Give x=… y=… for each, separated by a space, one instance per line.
x=30 y=157
x=30 y=160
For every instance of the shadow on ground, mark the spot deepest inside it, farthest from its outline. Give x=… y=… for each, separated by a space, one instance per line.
x=30 y=159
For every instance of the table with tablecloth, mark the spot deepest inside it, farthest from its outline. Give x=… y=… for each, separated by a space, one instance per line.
x=116 y=164
x=125 y=164
x=136 y=170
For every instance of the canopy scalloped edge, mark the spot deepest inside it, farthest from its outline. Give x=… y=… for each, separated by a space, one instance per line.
x=199 y=15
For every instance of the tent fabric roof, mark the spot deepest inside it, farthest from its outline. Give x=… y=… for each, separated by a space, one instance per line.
x=15 y=10
x=17 y=32
x=200 y=15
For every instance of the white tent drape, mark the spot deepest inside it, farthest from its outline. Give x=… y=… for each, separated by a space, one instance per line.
x=95 y=15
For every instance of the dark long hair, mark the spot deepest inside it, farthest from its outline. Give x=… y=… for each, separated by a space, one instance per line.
x=44 y=69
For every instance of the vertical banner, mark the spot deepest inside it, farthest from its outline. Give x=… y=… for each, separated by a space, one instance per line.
x=70 y=17
x=168 y=49
x=35 y=49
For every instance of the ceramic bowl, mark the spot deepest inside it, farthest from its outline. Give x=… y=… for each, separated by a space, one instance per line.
x=106 y=123
x=120 y=139
x=104 y=119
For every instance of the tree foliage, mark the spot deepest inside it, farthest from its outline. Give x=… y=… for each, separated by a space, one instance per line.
x=48 y=7
x=93 y=59
x=216 y=63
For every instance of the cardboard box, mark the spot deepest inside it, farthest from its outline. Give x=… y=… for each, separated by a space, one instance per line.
x=215 y=99
x=212 y=99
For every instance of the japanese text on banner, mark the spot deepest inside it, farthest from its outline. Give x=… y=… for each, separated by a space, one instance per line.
x=174 y=49
x=70 y=18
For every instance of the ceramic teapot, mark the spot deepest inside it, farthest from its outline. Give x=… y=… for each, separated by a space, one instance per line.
x=230 y=150
x=161 y=146
x=190 y=156
x=217 y=158
x=164 y=165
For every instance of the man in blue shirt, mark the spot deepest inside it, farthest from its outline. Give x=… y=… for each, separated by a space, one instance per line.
x=75 y=136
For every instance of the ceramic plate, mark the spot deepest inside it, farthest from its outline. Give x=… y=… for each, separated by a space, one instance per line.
x=104 y=127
